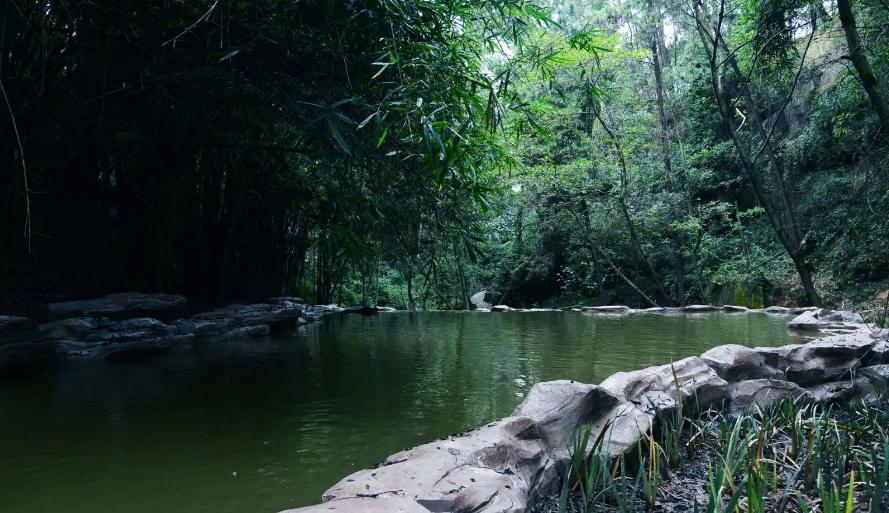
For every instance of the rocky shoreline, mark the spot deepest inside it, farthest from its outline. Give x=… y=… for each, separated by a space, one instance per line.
x=508 y=465
x=132 y=323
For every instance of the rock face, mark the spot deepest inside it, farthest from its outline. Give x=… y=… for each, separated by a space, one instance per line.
x=496 y=468
x=478 y=300
x=125 y=305
x=134 y=324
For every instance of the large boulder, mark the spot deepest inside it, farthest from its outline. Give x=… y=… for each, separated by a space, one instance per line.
x=124 y=305
x=733 y=362
x=485 y=470
x=223 y=320
x=735 y=308
x=86 y=337
x=700 y=386
x=558 y=407
x=825 y=320
x=820 y=361
x=763 y=393
x=478 y=300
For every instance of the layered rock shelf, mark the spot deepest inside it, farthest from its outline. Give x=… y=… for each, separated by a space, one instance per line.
x=133 y=323
x=506 y=465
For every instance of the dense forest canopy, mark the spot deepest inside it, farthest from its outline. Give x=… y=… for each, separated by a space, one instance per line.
x=406 y=152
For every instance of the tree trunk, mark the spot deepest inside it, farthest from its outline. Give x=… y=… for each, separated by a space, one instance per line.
x=625 y=211
x=777 y=214
x=859 y=60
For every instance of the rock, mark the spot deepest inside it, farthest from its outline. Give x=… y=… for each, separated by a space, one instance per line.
x=763 y=393
x=246 y=332
x=73 y=328
x=735 y=308
x=700 y=308
x=478 y=300
x=201 y=329
x=842 y=391
x=278 y=319
x=557 y=407
x=802 y=309
x=734 y=362
x=287 y=301
x=878 y=354
x=459 y=472
x=387 y=504
x=612 y=309
x=841 y=316
x=877 y=375
x=501 y=308
x=653 y=309
x=807 y=321
x=361 y=310
x=142 y=347
x=825 y=320
x=823 y=360
x=777 y=310
x=700 y=386
x=386 y=309
x=820 y=361
x=96 y=336
x=124 y=305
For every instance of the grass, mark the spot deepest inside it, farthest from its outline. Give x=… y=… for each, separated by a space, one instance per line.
x=787 y=458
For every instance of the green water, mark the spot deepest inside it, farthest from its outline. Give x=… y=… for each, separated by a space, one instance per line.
x=263 y=426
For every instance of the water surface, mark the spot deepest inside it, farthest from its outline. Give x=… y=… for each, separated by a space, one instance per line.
x=261 y=426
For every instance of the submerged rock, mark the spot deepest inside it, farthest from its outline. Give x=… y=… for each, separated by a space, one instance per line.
x=124 y=305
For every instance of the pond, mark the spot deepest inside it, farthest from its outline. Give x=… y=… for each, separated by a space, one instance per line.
x=264 y=426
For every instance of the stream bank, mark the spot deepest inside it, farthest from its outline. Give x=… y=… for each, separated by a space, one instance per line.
x=506 y=466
